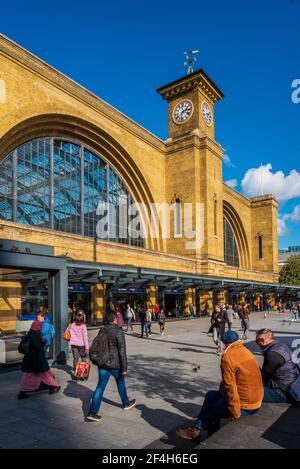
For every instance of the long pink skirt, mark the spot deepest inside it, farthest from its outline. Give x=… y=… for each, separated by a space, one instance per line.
x=32 y=381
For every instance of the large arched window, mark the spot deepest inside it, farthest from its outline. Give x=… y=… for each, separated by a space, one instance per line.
x=56 y=184
x=231 y=254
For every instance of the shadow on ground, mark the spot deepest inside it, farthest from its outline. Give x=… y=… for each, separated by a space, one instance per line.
x=285 y=431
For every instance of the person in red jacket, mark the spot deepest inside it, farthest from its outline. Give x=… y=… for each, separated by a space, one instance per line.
x=156 y=311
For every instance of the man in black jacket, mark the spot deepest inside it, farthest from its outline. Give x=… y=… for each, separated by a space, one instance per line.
x=144 y=326
x=116 y=366
x=279 y=370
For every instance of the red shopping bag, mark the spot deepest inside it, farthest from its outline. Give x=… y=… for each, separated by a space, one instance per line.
x=83 y=370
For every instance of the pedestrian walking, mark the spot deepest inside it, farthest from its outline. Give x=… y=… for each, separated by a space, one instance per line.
x=244 y=314
x=294 y=311
x=115 y=365
x=142 y=316
x=224 y=320
x=230 y=315
x=156 y=311
x=79 y=339
x=192 y=311
x=48 y=330
x=36 y=374
x=120 y=320
x=149 y=320
x=216 y=330
x=161 y=321
x=130 y=315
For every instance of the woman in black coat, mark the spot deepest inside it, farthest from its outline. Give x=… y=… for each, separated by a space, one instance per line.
x=36 y=374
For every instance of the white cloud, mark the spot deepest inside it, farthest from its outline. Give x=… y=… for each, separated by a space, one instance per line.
x=227 y=161
x=232 y=183
x=282 y=228
x=283 y=187
x=295 y=215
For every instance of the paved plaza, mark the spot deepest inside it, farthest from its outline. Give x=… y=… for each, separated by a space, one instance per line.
x=161 y=378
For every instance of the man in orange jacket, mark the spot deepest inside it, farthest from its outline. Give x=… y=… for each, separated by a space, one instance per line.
x=241 y=390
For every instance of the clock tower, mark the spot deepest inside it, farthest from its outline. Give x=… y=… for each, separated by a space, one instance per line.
x=191 y=102
x=194 y=164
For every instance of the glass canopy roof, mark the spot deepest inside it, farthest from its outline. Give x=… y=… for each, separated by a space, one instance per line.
x=56 y=184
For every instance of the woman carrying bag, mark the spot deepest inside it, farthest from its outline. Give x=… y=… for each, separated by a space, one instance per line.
x=36 y=374
x=79 y=339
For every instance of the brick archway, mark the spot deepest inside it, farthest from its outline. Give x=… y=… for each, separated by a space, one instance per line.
x=94 y=138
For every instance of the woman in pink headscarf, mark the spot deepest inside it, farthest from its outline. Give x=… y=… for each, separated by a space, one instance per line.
x=36 y=374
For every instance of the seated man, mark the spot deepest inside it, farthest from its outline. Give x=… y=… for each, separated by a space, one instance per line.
x=241 y=390
x=278 y=370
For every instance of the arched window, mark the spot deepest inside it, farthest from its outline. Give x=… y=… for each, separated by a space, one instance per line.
x=231 y=254
x=57 y=184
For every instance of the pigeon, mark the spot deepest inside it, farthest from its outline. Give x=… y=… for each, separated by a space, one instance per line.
x=196 y=368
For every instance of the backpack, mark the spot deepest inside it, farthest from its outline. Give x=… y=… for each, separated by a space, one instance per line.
x=99 y=350
x=24 y=345
x=241 y=313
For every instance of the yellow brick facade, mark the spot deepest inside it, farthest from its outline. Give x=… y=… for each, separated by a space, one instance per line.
x=40 y=101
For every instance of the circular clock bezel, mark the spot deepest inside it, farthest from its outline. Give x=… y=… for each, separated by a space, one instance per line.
x=192 y=111
x=205 y=102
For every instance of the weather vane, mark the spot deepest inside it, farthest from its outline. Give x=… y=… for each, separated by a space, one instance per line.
x=190 y=60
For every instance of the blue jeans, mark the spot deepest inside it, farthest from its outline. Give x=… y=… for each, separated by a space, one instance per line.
x=215 y=408
x=129 y=324
x=104 y=375
x=274 y=395
x=144 y=328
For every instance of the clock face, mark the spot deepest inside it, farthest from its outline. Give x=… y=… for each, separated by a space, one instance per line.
x=183 y=111
x=206 y=112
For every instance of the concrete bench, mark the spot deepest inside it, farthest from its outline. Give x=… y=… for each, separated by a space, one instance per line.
x=274 y=426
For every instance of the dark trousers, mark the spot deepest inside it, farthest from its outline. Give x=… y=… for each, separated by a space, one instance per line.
x=222 y=329
x=214 y=409
x=78 y=354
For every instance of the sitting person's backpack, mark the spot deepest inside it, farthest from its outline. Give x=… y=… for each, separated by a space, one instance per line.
x=99 y=350
x=24 y=345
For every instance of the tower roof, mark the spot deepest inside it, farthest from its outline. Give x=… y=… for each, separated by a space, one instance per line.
x=197 y=79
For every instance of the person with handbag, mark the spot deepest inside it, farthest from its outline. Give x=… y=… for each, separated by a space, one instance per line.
x=79 y=339
x=36 y=374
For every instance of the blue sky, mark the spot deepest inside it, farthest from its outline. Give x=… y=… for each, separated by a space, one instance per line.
x=124 y=50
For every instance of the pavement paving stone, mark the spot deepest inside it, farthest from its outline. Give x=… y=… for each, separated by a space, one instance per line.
x=168 y=393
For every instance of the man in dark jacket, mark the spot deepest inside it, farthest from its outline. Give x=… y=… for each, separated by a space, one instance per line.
x=278 y=370
x=144 y=326
x=116 y=366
